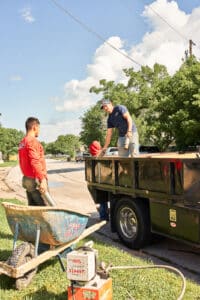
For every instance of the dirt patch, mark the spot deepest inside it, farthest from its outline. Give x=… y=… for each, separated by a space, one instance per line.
x=6 y=190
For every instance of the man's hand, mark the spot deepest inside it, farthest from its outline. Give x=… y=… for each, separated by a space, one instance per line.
x=129 y=134
x=102 y=152
x=43 y=186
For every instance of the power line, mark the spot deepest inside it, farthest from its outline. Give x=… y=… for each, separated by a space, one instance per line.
x=172 y=27
x=90 y=30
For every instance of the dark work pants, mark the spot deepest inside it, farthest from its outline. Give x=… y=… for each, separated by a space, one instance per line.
x=34 y=198
x=33 y=194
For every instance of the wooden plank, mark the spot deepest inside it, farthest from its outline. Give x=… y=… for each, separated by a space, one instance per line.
x=33 y=263
x=6 y=269
x=174 y=155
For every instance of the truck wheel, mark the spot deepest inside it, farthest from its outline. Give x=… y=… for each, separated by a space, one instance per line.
x=22 y=254
x=132 y=222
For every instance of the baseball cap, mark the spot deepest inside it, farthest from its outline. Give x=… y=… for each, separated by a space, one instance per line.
x=105 y=102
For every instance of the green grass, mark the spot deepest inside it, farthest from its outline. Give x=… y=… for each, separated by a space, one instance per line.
x=51 y=283
x=9 y=164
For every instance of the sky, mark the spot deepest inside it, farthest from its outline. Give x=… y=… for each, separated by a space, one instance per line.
x=54 y=51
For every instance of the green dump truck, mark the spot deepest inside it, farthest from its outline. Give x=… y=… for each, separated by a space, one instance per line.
x=157 y=193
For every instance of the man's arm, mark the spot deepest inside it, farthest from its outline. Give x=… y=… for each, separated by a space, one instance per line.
x=128 y=118
x=108 y=138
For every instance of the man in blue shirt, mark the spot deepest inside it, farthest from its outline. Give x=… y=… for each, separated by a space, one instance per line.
x=119 y=117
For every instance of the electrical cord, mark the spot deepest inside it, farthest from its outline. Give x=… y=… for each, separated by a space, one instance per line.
x=175 y=270
x=105 y=274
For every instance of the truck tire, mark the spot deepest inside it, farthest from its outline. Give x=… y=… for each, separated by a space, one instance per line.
x=132 y=222
x=20 y=255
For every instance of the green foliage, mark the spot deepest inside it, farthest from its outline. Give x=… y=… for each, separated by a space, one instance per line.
x=137 y=95
x=44 y=145
x=174 y=115
x=9 y=141
x=93 y=126
x=9 y=164
x=64 y=144
x=165 y=108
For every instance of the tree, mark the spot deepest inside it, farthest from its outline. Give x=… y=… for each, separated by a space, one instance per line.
x=174 y=115
x=64 y=144
x=93 y=126
x=165 y=108
x=9 y=141
x=137 y=95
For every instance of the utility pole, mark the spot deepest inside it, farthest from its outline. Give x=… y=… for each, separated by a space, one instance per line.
x=191 y=43
x=186 y=54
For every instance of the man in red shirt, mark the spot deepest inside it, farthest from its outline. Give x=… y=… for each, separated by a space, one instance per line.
x=32 y=163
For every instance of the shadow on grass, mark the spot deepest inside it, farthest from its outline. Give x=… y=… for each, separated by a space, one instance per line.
x=50 y=262
x=6 y=235
x=4 y=254
x=7 y=283
x=43 y=294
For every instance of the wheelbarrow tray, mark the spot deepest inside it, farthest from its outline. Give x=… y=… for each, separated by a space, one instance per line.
x=36 y=261
x=57 y=225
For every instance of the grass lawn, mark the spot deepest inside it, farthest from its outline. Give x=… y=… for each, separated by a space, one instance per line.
x=51 y=283
x=9 y=164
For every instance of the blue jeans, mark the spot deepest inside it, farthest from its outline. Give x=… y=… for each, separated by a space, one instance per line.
x=103 y=211
x=133 y=148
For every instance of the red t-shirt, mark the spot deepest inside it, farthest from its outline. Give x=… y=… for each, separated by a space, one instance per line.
x=31 y=158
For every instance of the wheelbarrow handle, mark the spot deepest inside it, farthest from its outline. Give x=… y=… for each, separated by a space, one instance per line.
x=47 y=198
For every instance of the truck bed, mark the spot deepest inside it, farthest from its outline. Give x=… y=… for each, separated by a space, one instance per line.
x=168 y=182
x=173 y=174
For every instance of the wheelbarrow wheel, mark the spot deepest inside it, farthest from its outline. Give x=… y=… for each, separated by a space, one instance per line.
x=22 y=254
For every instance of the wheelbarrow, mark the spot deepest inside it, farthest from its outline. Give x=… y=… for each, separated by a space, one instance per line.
x=46 y=232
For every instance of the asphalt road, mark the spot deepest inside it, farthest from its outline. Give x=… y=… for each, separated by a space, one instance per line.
x=69 y=189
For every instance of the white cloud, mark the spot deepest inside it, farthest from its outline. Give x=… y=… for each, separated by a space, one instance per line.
x=26 y=14
x=193 y=27
x=164 y=44
x=107 y=64
x=161 y=44
x=15 y=78
x=76 y=95
x=50 y=132
x=162 y=14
